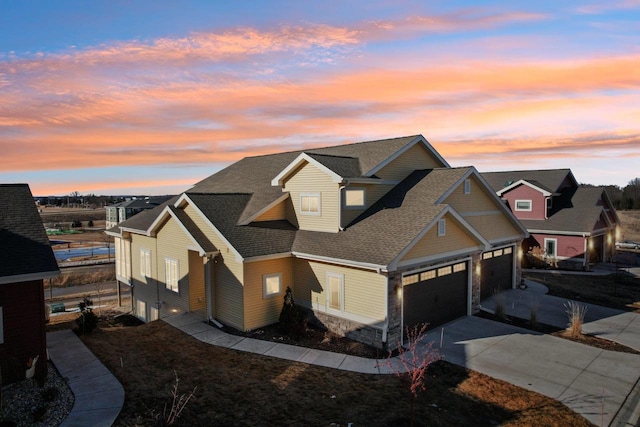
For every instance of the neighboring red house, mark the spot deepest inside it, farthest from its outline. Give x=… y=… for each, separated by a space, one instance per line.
x=27 y=259
x=573 y=226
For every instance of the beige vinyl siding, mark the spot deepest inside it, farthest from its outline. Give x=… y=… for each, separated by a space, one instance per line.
x=258 y=310
x=456 y=238
x=196 y=282
x=310 y=179
x=373 y=193
x=494 y=227
x=172 y=242
x=276 y=213
x=226 y=282
x=144 y=289
x=364 y=291
x=477 y=201
x=416 y=157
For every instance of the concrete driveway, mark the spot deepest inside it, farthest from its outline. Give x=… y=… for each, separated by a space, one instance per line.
x=608 y=323
x=579 y=376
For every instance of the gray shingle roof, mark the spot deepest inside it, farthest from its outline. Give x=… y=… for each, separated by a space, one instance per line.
x=576 y=210
x=549 y=179
x=193 y=229
x=24 y=245
x=380 y=234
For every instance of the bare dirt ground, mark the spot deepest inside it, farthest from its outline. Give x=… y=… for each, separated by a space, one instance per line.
x=236 y=388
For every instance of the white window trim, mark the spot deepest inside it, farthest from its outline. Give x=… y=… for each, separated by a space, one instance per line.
x=467 y=186
x=1 y=326
x=167 y=263
x=364 y=198
x=319 y=204
x=265 y=277
x=141 y=306
x=524 y=210
x=330 y=309
x=555 y=247
x=145 y=263
x=442 y=227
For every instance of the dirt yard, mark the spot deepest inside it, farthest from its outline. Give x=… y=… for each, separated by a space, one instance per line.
x=236 y=388
x=630 y=221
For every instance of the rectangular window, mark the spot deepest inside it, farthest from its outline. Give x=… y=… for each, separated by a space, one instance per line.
x=443 y=271
x=487 y=255
x=409 y=280
x=459 y=267
x=428 y=275
x=467 y=186
x=1 y=326
x=141 y=310
x=551 y=247
x=145 y=263
x=549 y=203
x=335 y=289
x=171 y=274
x=442 y=227
x=354 y=198
x=497 y=252
x=523 y=205
x=508 y=250
x=310 y=203
x=271 y=284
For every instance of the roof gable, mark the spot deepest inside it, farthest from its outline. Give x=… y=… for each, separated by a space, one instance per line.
x=300 y=161
x=531 y=184
x=551 y=180
x=25 y=249
x=417 y=140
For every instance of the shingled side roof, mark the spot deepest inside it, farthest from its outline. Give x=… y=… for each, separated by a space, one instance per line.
x=547 y=179
x=25 y=250
x=576 y=210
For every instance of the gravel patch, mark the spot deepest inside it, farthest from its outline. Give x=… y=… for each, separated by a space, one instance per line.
x=26 y=404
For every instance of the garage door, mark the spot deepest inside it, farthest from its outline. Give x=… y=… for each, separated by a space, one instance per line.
x=496 y=269
x=435 y=296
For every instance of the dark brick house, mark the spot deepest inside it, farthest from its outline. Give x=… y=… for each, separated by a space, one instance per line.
x=27 y=260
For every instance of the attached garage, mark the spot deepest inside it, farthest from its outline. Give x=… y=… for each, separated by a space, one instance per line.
x=435 y=296
x=496 y=271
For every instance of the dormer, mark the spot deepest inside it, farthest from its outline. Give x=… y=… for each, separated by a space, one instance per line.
x=527 y=199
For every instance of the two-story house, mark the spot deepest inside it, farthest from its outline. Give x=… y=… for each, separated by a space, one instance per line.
x=125 y=210
x=371 y=237
x=572 y=226
x=26 y=261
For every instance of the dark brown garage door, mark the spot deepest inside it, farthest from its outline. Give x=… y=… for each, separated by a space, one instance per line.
x=435 y=296
x=496 y=271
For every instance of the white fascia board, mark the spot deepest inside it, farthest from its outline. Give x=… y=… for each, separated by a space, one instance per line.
x=504 y=242
x=237 y=255
x=265 y=209
x=113 y=233
x=446 y=257
x=268 y=257
x=304 y=157
x=19 y=278
x=561 y=233
x=416 y=140
x=347 y=263
x=166 y=212
x=523 y=182
x=446 y=210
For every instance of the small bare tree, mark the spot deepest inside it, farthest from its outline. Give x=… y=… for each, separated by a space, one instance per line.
x=413 y=360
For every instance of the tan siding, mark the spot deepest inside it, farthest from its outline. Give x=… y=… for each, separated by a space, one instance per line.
x=196 y=282
x=258 y=310
x=226 y=289
x=364 y=291
x=172 y=242
x=373 y=193
x=310 y=179
x=145 y=288
x=477 y=201
x=494 y=227
x=455 y=238
x=276 y=213
x=417 y=157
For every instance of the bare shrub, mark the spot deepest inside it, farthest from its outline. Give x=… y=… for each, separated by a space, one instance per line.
x=414 y=360
x=576 y=313
x=178 y=403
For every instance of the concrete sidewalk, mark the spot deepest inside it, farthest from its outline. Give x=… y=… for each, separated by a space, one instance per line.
x=98 y=394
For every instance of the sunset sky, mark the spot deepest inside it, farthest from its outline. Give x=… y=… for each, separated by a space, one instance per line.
x=149 y=97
